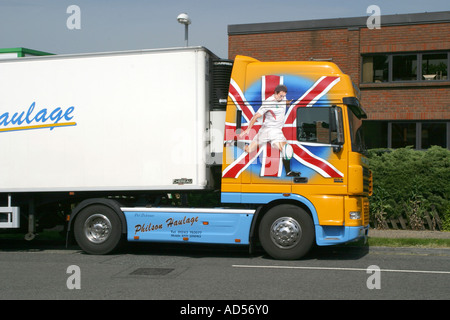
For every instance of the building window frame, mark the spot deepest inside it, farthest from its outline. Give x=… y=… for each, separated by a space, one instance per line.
x=419 y=72
x=418 y=131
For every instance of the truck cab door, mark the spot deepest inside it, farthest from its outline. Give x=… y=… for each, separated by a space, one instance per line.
x=318 y=145
x=321 y=158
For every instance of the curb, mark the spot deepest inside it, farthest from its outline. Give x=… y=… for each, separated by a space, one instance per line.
x=424 y=234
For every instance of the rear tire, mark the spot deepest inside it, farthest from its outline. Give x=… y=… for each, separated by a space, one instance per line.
x=98 y=230
x=286 y=232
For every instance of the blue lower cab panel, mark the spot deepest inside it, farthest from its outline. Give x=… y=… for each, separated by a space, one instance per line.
x=330 y=235
x=221 y=226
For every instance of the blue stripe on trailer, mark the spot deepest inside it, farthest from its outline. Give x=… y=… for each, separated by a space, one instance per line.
x=224 y=226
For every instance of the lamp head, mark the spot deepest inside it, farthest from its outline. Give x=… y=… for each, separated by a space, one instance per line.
x=183 y=18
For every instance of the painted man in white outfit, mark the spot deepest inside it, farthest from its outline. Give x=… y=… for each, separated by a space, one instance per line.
x=273 y=110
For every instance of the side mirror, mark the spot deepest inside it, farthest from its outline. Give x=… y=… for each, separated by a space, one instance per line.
x=336 y=128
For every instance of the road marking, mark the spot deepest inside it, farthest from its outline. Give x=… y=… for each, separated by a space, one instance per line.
x=339 y=269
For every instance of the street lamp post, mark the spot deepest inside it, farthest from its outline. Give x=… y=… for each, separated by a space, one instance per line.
x=183 y=18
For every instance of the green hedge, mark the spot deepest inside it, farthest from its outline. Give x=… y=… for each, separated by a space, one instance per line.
x=410 y=183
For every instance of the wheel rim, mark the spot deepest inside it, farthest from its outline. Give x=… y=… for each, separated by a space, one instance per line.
x=97 y=228
x=285 y=232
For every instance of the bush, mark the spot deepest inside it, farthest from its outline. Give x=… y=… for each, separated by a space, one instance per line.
x=410 y=183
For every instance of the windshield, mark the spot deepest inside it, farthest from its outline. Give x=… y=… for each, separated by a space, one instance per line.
x=356 y=132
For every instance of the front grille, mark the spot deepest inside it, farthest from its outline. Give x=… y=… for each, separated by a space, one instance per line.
x=367 y=181
x=366 y=211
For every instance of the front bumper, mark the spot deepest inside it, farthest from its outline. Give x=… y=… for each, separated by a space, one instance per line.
x=331 y=235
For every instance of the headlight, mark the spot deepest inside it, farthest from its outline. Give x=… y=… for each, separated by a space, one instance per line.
x=354 y=215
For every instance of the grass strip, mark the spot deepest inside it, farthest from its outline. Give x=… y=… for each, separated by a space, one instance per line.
x=409 y=242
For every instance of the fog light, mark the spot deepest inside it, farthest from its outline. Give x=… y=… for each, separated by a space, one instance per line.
x=355 y=215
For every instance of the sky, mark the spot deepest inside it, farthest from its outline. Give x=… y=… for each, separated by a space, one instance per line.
x=118 y=25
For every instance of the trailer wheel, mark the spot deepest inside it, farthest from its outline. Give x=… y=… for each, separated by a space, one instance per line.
x=97 y=230
x=286 y=232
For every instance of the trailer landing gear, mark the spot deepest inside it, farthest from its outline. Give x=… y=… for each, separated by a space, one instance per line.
x=31 y=221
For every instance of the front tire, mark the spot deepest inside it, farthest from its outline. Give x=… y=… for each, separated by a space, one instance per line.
x=286 y=232
x=98 y=230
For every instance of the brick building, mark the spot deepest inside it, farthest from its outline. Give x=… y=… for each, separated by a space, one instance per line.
x=401 y=68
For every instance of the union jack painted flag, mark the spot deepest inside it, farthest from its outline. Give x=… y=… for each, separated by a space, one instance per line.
x=271 y=157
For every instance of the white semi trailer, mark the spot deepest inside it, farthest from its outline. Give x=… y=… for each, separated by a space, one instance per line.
x=105 y=125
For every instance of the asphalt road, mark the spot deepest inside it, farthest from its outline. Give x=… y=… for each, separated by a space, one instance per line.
x=166 y=272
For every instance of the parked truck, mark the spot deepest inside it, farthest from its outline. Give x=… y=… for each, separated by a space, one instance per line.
x=165 y=146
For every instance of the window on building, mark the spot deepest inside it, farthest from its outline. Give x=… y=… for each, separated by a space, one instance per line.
x=398 y=134
x=376 y=68
x=434 y=66
x=434 y=134
x=425 y=66
x=404 y=67
x=376 y=134
x=403 y=135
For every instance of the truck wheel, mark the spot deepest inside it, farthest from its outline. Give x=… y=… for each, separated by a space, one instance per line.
x=286 y=232
x=97 y=230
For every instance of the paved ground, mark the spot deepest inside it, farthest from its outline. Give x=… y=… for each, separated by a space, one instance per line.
x=178 y=273
x=426 y=234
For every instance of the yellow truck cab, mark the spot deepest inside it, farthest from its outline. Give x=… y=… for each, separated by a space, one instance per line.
x=326 y=198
